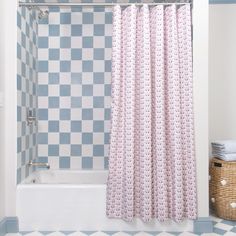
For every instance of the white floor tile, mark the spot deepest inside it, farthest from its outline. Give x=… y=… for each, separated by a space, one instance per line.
x=77 y=234
x=216 y=219
x=164 y=234
x=34 y=234
x=142 y=234
x=121 y=234
x=210 y=234
x=223 y=226
x=187 y=234
x=13 y=234
x=99 y=234
x=230 y=234
x=56 y=234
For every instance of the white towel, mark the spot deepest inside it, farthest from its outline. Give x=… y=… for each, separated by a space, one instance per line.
x=224 y=146
x=225 y=157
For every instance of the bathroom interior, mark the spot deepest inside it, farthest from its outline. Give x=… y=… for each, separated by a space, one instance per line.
x=108 y=112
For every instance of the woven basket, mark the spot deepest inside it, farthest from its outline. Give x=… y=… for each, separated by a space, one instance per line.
x=223 y=188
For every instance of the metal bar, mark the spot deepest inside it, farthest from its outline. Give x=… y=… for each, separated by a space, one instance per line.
x=49 y=4
x=39 y=164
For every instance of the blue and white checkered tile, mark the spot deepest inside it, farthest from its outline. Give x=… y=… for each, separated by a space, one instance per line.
x=221 y=227
x=26 y=89
x=224 y=227
x=74 y=83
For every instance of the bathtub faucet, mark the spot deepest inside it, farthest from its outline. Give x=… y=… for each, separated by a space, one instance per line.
x=39 y=164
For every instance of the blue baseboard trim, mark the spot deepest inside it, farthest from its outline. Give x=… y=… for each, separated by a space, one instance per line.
x=2 y=227
x=203 y=225
x=9 y=225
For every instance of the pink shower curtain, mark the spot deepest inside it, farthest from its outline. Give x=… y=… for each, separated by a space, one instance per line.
x=152 y=163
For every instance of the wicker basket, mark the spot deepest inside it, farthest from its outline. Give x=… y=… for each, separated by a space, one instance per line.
x=223 y=188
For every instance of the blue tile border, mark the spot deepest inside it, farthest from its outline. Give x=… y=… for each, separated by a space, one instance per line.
x=3 y=227
x=12 y=225
x=9 y=225
x=203 y=225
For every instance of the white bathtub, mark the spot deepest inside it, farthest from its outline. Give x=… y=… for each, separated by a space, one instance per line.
x=54 y=200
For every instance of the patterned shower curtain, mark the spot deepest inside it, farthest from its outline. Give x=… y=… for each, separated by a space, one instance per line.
x=152 y=162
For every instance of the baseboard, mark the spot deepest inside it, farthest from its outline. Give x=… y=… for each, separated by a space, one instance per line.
x=203 y=225
x=9 y=225
x=2 y=227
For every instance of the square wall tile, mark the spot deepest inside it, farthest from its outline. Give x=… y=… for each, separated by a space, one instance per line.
x=87 y=162
x=64 y=162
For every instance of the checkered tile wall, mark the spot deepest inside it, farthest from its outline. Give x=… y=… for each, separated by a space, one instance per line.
x=74 y=75
x=26 y=90
x=74 y=65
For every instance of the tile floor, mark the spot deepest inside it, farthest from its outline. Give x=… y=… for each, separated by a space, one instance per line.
x=221 y=227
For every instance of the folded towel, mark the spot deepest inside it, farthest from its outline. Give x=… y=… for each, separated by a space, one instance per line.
x=225 y=157
x=225 y=146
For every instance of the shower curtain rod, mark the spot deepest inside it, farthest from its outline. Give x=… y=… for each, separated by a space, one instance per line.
x=67 y=4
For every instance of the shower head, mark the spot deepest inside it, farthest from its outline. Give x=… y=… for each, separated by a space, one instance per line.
x=43 y=14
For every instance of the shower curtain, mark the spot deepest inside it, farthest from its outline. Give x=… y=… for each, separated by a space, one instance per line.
x=151 y=161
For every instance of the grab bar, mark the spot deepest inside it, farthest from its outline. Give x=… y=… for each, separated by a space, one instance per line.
x=39 y=164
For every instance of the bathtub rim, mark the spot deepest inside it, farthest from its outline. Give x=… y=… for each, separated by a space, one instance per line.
x=37 y=173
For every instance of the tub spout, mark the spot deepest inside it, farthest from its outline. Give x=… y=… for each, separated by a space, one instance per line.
x=39 y=164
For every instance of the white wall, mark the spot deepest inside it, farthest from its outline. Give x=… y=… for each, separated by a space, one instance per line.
x=10 y=107
x=2 y=172
x=2 y=162
x=200 y=66
x=200 y=78
x=222 y=71
x=8 y=113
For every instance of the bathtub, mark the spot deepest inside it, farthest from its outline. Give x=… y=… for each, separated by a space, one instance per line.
x=68 y=200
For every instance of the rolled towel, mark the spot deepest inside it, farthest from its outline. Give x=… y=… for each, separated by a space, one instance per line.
x=224 y=146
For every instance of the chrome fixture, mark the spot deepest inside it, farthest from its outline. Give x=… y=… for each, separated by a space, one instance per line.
x=71 y=4
x=43 y=14
x=39 y=164
x=31 y=118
